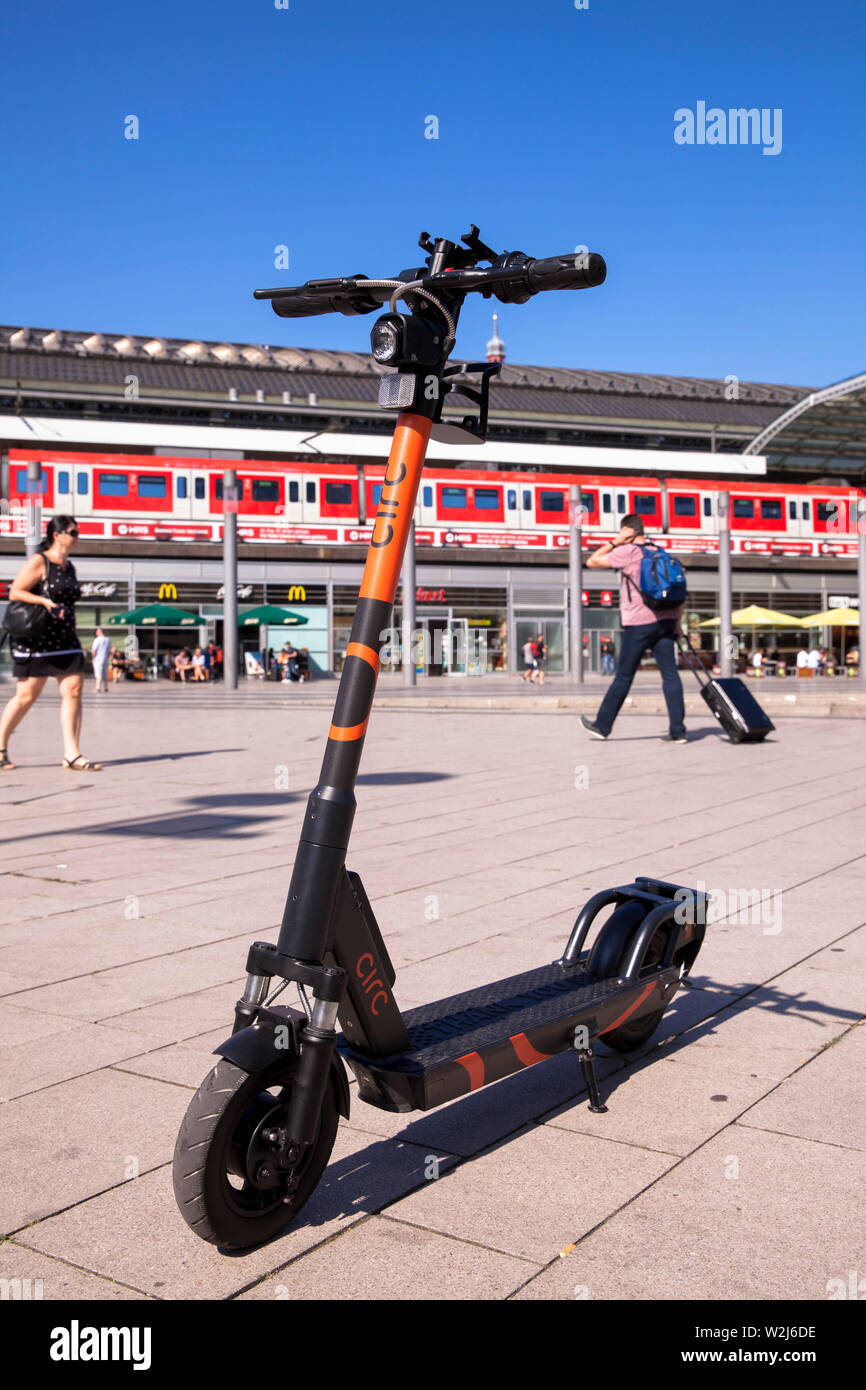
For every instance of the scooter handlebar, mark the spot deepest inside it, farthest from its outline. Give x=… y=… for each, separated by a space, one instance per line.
x=513 y=278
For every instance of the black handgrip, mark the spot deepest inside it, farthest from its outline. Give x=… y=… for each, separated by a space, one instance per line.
x=580 y=270
x=339 y=296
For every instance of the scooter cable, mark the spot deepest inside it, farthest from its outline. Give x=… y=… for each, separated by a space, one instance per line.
x=401 y=289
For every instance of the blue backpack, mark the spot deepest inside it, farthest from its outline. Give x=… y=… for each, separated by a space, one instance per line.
x=662 y=579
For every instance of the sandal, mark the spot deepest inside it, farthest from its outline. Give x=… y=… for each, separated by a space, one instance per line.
x=6 y=764
x=81 y=764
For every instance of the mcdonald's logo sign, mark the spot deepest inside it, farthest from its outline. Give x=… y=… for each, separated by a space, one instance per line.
x=168 y=591
x=297 y=594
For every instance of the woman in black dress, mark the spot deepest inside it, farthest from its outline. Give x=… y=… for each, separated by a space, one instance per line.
x=48 y=578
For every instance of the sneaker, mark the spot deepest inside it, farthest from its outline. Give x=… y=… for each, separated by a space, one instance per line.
x=674 y=738
x=591 y=728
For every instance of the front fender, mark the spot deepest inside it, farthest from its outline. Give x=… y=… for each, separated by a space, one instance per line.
x=277 y=1035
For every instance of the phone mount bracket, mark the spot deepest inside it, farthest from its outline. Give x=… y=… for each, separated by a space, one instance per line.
x=472 y=428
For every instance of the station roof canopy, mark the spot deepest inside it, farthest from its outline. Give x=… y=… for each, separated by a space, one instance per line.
x=824 y=432
x=82 y=370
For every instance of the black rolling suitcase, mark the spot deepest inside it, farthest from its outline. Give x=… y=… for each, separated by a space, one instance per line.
x=732 y=703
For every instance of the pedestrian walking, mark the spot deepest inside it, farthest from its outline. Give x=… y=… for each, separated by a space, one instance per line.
x=47 y=579
x=100 y=652
x=608 y=651
x=643 y=629
x=529 y=664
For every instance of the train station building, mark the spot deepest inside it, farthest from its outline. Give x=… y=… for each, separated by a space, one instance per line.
x=98 y=410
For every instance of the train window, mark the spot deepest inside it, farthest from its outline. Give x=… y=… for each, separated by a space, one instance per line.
x=551 y=501
x=113 y=485
x=266 y=490
x=527 y=500
x=294 y=492
x=81 y=485
x=182 y=490
x=338 y=494
x=605 y=501
x=377 y=493
x=587 y=500
x=427 y=495
x=511 y=498
x=792 y=511
x=771 y=510
x=487 y=498
x=743 y=508
x=825 y=511
x=804 y=510
x=686 y=506
x=311 y=492
x=620 y=503
x=198 y=489
x=21 y=480
x=708 y=506
x=645 y=504
x=454 y=497
x=63 y=481
x=151 y=485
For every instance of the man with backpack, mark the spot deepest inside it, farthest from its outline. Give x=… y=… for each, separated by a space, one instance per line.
x=652 y=594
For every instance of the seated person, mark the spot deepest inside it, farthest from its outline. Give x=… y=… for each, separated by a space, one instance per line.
x=117 y=664
x=304 y=673
x=199 y=665
x=182 y=664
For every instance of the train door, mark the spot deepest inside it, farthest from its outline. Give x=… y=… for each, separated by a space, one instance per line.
x=292 y=505
x=511 y=510
x=199 y=501
x=182 y=485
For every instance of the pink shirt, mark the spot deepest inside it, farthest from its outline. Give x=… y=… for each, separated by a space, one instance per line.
x=633 y=611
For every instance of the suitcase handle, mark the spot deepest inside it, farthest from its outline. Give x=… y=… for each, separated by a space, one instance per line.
x=692 y=662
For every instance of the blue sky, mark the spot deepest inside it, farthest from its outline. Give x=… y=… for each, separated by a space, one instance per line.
x=305 y=127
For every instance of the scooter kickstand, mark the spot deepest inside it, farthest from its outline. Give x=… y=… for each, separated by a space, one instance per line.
x=587 y=1062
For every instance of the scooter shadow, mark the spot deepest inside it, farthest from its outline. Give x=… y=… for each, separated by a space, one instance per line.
x=387 y=1169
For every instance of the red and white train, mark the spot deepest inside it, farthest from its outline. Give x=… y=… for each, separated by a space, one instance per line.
x=141 y=496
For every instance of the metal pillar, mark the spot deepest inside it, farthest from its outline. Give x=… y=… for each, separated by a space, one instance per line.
x=726 y=645
x=329 y=599
x=230 y=579
x=861 y=585
x=407 y=579
x=575 y=585
x=33 y=522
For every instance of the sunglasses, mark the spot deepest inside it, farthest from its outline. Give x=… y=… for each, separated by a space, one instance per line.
x=73 y=534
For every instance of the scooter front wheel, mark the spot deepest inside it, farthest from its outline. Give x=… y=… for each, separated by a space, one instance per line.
x=222 y=1153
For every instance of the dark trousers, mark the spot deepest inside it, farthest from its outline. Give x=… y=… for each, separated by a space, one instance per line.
x=659 y=638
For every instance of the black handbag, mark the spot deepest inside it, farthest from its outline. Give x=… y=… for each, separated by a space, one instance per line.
x=26 y=621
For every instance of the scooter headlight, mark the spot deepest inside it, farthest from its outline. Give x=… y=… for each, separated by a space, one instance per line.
x=386 y=338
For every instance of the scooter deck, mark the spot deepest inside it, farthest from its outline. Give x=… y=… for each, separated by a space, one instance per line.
x=468 y=1040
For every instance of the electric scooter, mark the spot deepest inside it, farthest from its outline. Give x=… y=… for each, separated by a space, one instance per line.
x=259 y=1131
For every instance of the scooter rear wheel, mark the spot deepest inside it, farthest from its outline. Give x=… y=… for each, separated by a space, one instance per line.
x=631 y=1035
x=222 y=1137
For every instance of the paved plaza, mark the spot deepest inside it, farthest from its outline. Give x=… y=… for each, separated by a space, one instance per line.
x=731 y=1161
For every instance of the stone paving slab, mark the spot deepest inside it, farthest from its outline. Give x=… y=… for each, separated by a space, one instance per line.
x=376 y=1255
x=132 y=1234
x=65 y=1143
x=745 y=1216
x=55 y=1280
x=821 y=1103
x=479 y=834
